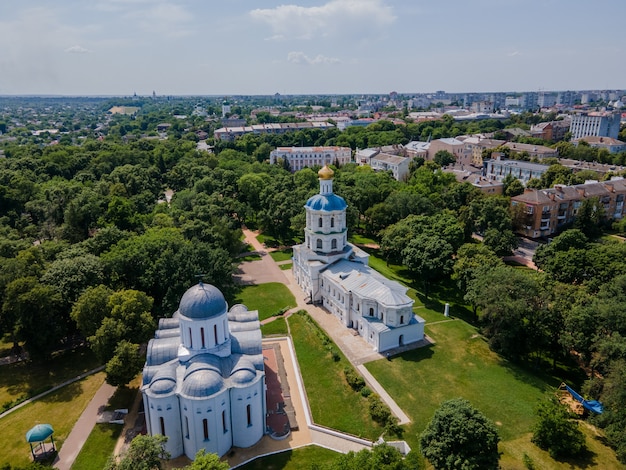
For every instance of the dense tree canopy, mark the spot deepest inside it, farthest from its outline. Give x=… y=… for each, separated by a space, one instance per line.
x=460 y=437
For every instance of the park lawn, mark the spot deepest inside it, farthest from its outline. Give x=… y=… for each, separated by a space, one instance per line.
x=332 y=402
x=307 y=457
x=460 y=364
x=358 y=239
x=98 y=448
x=60 y=409
x=286 y=266
x=101 y=442
x=268 y=298
x=281 y=255
x=27 y=379
x=276 y=327
x=5 y=345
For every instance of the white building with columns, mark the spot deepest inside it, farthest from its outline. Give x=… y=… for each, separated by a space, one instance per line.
x=204 y=378
x=335 y=274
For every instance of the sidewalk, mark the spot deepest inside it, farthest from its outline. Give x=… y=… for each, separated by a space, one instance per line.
x=81 y=430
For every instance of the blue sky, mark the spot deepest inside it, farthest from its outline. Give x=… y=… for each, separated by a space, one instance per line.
x=175 y=47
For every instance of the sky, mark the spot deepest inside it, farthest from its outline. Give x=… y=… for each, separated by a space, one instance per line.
x=243 y=47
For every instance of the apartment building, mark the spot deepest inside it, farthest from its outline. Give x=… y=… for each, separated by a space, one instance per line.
x=546 y=211
x=229 y=134
x=600 y=124
x=303 y=157
x=499 y=168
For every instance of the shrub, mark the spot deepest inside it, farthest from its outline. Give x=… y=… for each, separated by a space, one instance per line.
x=556 y=432
x=378 y=410
x=366 y=392
x=355 y=381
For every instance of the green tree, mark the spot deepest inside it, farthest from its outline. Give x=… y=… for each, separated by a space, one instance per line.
x=206 y=461
x=589 y=218
x=126 y=363
x=428 y=256
x=144 y=453
x=444 y=158
x=556 y=432
x=380 y=457
x=91 y=308
x=460 y=437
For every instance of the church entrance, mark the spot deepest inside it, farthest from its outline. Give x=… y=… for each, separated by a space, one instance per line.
x=401 y=340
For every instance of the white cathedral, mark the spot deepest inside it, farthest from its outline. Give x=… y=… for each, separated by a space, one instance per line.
x=335 y=274
x=204 y=378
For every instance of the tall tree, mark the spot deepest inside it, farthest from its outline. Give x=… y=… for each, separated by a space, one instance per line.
x=460 y=437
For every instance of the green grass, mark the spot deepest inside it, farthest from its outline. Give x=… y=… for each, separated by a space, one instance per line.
x=460 y=364
x=286 y=266
x=276 y=327
x=98 y=448
x=358 y=239
x=5 y=345
x=281 y=255
x=303 y=458
x=267 y=298
x=60 y=409
x=103 y=438
x=26 y=379
x=333 y=403
x=250 y=257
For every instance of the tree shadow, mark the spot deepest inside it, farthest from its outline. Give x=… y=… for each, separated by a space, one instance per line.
x=416 y=355
x=65 y=394
x=585 y=460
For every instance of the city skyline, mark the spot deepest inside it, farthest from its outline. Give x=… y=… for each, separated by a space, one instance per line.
x=241 y=47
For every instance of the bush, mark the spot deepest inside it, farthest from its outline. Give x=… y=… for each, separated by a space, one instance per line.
x=556 y=432
x=355 y=381
x=378 y=410
x=366 y=392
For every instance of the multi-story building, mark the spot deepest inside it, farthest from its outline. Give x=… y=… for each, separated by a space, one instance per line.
x=547 y=211
x=455 y=146
x=229 y=134
x=306 y=157
x=612 y=145
x=499 y=168
x=533 y=151
x=599 y=124
x=396 y=164
x=553 y=131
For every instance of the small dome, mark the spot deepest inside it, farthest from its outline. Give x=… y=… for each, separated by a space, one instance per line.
x=202 y=383
x=202 y=301
x=326 y=173
x=243 y=372
x=326 y=202
x=163 y=385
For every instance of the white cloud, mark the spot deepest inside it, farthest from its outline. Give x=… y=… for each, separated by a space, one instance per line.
x=330 y=19
x=299 y=57
x=77 y=50
x=513 y=54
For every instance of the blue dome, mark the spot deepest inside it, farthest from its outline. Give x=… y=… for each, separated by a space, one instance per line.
x=202 y=383
x=202 y=301
x=327 y=202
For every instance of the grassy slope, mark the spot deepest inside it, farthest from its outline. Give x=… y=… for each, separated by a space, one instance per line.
x=282 y=255
x=31 y=378
x=60 y=409
x=266 y=298
x=302 y=458
x=333 y=403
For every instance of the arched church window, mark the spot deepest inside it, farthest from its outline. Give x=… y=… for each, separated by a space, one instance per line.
x=333 y=244
x=401 y=319
x=215 y=333
x=319 y=222
x=190 y=339
x=162 y=423
x=205 y=428
x=249 y=415
x=371 y=311
x=224 y=422
x=202 y=336
x=319 y=244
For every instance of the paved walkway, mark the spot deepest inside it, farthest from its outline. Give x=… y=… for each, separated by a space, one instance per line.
x=81 y=430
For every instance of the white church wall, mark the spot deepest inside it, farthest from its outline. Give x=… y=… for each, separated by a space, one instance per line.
x=165 y=419
x=247 y=433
